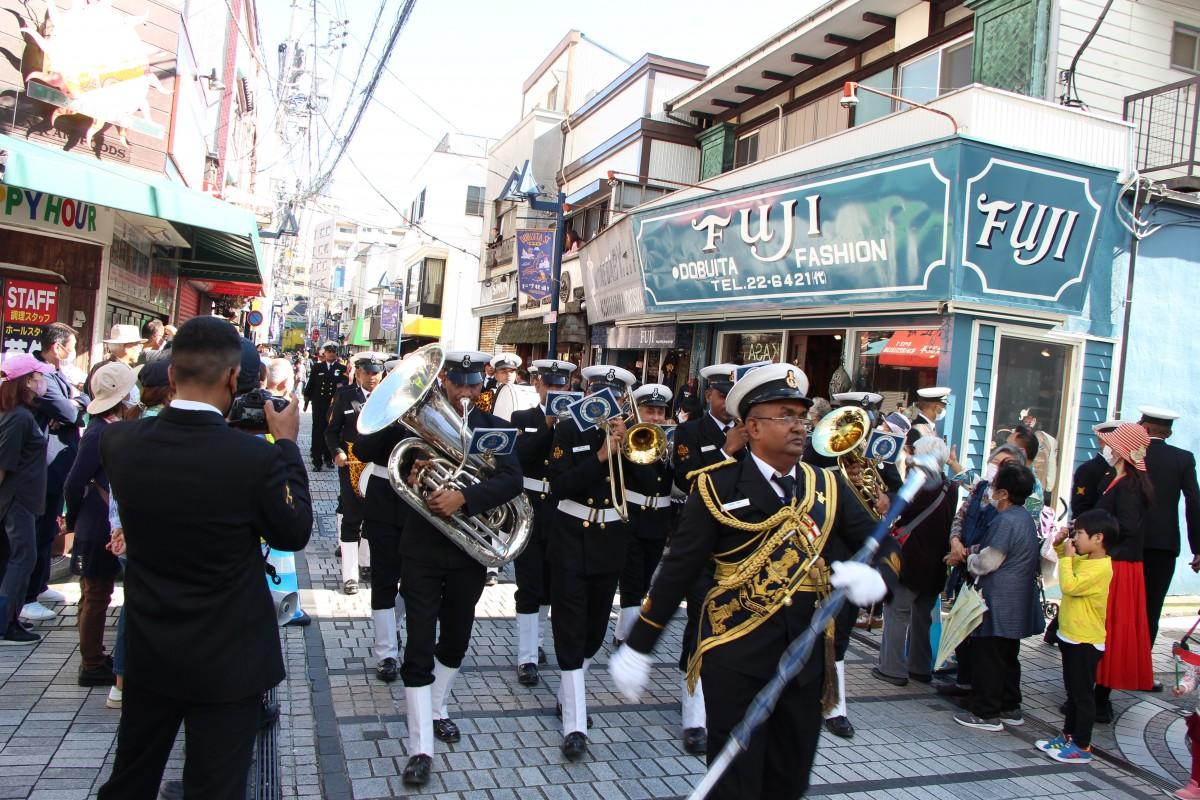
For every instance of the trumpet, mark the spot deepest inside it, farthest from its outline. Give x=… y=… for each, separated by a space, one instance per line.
x=643 y=443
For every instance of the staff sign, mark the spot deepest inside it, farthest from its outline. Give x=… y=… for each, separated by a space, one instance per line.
x=884 y=447
x=558 y=404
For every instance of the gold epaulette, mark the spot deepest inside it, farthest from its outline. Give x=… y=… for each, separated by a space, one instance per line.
x=696 y=472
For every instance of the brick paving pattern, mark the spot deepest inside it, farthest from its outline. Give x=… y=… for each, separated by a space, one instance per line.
x=342 y=732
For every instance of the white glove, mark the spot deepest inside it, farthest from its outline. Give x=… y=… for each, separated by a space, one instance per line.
x=630 y=671
x=863 y=583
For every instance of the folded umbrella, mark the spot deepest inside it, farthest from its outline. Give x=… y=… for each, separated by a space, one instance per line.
x=964 y=617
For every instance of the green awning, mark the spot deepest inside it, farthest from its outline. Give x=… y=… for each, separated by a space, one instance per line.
x=224 y=237
x=362 y=332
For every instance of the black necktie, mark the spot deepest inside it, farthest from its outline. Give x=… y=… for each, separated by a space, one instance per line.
x=788 y=484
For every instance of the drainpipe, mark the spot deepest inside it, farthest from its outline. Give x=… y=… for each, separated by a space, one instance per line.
x=1133 y=252
x=779 y=136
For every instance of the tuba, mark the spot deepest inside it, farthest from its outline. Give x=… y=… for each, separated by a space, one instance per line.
x=842 y=434
x=411 y=395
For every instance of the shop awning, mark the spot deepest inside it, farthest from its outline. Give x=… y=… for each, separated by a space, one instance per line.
x=493 y=309
x=428 y=327
x=360 y=336
x=571 y=330
x=235 y=288
x=912 y=349
x=225 y=237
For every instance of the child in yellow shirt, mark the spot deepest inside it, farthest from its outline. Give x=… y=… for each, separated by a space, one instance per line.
x=1084 y=572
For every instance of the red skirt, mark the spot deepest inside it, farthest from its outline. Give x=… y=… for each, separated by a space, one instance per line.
x=1126 y=662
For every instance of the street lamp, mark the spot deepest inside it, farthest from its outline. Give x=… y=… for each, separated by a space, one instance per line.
x=849 y=99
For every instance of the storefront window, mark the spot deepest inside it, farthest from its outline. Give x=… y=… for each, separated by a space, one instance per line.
x=897 y=363
x=819 y=354
x=1030 y=387
x=746 y=348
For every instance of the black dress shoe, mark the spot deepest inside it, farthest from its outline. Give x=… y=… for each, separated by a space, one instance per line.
x=364 y=573
x=1157 y=687
x=880 y=675
x=97 y=676
x=919 y=678
x=840 y=726
x=695 y=741
x=416 y=771
x=527 y=675
x=1104 y=711
x=558 y=713
x=446 y=731
x=541 y=656
x=387 y=670
x=302 y=621
x=952 y=690
x=350 y=587
x=268 y=714
x=618 y=642
x=318 y=467
x=171 y=790
x=492 y=579
x=575 y=745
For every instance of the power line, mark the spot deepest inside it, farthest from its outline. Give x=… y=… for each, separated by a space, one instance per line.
x=368 y=92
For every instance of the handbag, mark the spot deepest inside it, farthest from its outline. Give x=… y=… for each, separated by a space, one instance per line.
x=902 y=533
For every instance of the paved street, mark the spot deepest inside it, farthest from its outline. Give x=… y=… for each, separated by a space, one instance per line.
x=342 y=732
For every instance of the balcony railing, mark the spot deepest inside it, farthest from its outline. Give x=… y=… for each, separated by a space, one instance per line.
x=501 y=254
x=1166 y=121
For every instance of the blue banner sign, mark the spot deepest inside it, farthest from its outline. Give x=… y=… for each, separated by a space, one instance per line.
x=492 y=441
x=879 y=230
x=1029 y=231
x=535 y=256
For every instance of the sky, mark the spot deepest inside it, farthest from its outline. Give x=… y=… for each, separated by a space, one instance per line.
x=459 y=65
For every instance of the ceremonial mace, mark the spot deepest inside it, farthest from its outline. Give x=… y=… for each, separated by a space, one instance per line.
x=922 y=471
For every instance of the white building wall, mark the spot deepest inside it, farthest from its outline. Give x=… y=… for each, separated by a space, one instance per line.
x=1131 y=52
x=665 y=88
x=594 y=69
x=626 y=160
x=622 y=109
x=675 y=162
x=539 y=92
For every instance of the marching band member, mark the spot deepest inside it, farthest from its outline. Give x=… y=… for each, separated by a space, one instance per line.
x=535 y=427
x=588 y=550
x=741 y=513
x=441 y=583
x=500 y=402
x=648 y=493
x=931 y=408
x=701 y=442
x=339 y=437
x=326 y=375
x=714 y=436
x=384 y=515
x=837 y=720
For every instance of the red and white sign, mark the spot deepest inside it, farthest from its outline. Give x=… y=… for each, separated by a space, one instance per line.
x=912 y=349
x=316 y=334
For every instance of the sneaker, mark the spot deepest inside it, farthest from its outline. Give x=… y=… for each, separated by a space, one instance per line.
x=52 y=596
x=97 y=676
x=114 y=698
x=1071 y=754
x=969 y=720
x=17 y=635
x=1013 y=718
x=36 y=612
x=1047 y=745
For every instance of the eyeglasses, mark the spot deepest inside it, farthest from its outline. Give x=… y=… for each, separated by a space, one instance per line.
x=791 y=420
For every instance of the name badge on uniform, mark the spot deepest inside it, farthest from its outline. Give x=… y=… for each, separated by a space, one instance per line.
x=708 y=448
x=531 y=430
x=583 y=448
x=350 y=410
x=736 y=504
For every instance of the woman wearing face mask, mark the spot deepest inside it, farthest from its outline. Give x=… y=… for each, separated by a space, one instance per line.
x=1126 y=493
x=970 y=524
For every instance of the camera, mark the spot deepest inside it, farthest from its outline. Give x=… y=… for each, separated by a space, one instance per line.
x=249 y=409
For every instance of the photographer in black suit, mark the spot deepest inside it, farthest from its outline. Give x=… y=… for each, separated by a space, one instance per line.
x=202 y=643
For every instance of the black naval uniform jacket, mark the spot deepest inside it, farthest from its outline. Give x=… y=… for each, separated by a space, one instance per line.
x=323 y=380
x=343 y=418
x=534 y=440
x=1088 y=484
x=698 y=443
x=649 y=480
x=422 y=543
x=576 y=473
x=196 y=496
x=383 y=510
x=756 y=653
x=1172 y=470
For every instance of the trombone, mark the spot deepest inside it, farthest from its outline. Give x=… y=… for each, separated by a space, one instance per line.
x=643 y=443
